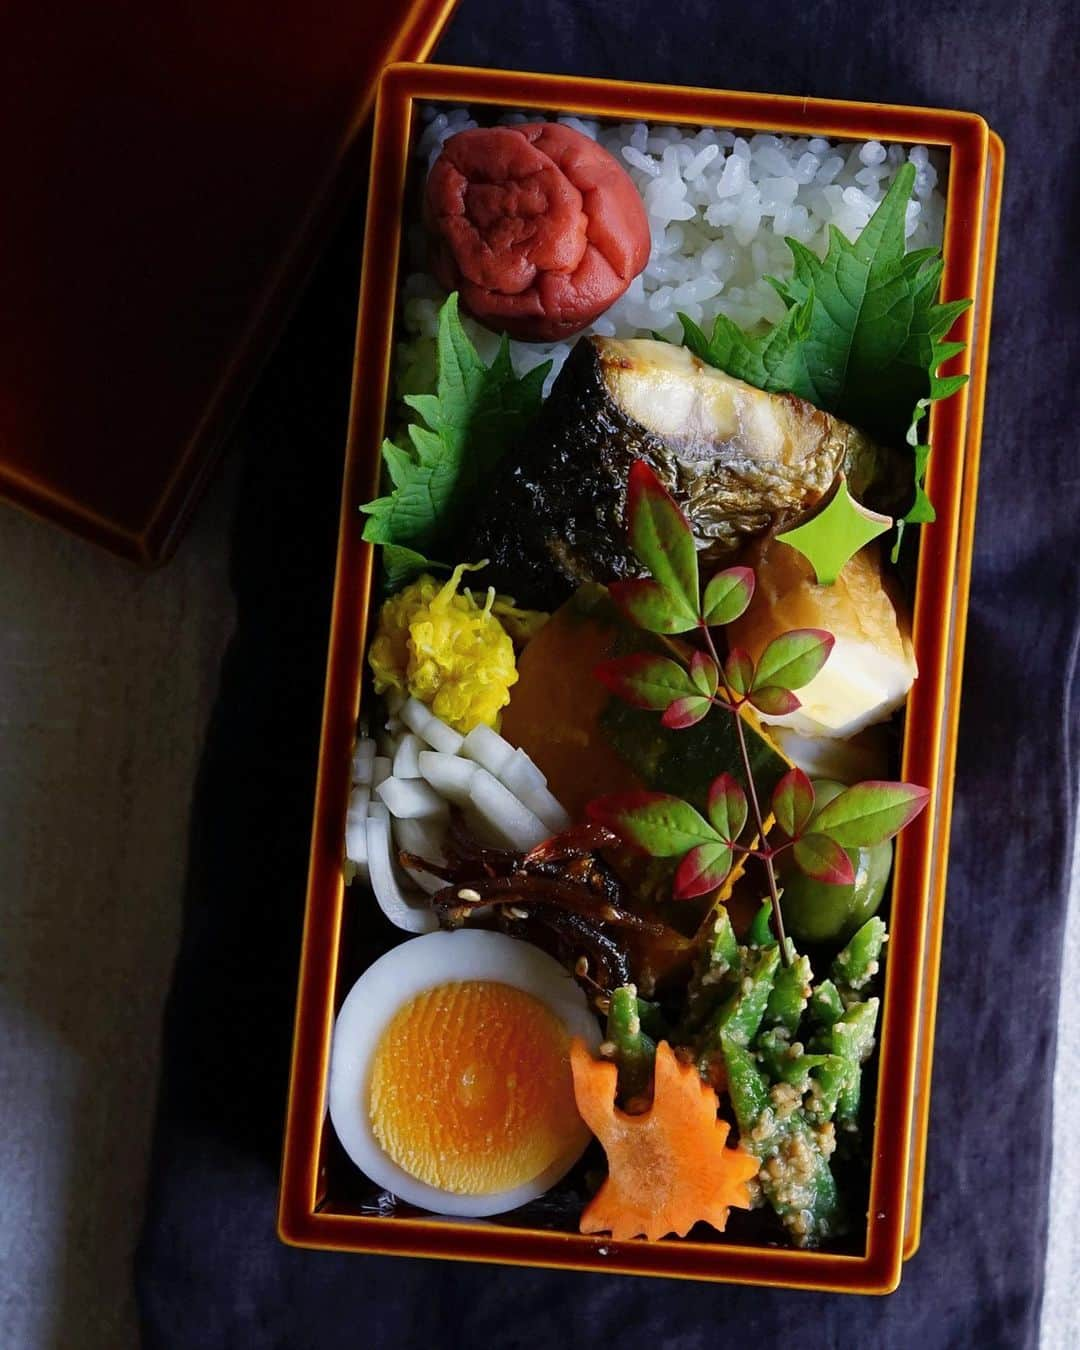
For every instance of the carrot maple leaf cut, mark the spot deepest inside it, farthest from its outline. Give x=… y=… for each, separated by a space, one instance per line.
x=668 y=1168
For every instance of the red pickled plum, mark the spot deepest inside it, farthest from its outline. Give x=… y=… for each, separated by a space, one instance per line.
x=536 y=226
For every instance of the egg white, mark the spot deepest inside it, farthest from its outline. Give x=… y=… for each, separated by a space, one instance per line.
x=392 y=981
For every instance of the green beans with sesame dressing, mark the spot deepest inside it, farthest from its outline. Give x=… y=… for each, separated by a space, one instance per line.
x=852 y=1039
x=635 y=1052
x=825 y=1005
x=785 y=1061
x=795 y=1176
x=790 y=992
x=714 y=975
x=741 y=1015
x=857 y=964
x=761 y=933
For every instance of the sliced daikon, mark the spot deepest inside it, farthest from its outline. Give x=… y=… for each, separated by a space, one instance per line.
x=410 y=799
x=408 y=911
x=405 y=761
x=363 y=761
x=423 y=839
x=386 y=743
x=488 y=749
x=442 y=737
x=381 y=768
x=521 y=775
x=515 y=825
x=547 y=806
x=449 y=775
x=419 y=718
x=356 y=864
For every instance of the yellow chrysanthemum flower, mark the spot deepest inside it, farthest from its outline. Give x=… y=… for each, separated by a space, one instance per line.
x=437 y=644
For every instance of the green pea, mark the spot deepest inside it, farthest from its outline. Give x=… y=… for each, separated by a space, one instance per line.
x=815 y=911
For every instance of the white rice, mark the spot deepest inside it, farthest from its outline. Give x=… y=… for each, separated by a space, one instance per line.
x=719 y=207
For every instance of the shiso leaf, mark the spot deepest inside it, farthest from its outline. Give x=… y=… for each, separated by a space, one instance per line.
x=461 y=432
x=863 y=336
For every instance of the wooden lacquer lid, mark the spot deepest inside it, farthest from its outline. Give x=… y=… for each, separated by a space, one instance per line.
x=167 y=169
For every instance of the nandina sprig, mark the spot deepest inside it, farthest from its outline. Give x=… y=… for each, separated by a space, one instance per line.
x=668 y=827
x=687 y=684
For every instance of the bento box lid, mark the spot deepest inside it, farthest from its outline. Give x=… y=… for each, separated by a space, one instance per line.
x=167 y=172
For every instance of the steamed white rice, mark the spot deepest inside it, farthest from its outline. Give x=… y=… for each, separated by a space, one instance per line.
x=719 y=207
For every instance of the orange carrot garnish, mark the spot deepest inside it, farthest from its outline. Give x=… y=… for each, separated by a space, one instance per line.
x=668 y=1167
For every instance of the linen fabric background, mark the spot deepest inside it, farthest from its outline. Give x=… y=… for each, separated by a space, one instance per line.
x=210 y=1272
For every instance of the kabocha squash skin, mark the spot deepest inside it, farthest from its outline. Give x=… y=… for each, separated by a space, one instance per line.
x=736 y=459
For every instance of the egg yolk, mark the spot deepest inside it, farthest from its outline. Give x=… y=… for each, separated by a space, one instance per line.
x=470 y=1088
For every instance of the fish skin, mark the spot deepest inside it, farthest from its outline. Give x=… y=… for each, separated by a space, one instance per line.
x=739 y=462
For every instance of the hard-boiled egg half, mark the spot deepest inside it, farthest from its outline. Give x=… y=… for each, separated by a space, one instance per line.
x=450 y=1080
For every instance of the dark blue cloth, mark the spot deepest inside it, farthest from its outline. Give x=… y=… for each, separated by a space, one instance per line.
x=211 y=1273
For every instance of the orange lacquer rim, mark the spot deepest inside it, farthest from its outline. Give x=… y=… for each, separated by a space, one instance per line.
x=944 y=561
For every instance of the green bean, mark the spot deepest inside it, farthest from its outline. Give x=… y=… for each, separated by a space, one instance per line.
x=714 y=977
x=857 y=964
x=827 y=1081
x=795 y=1175
x=825 y=1005
x=740 y=1017
x=790 y=992
x=723 y=949
x=853 y=1040
x=635 y=1052
x=761 y=934
x=653 y=1021
x=746 y=1087
x=785 y=1061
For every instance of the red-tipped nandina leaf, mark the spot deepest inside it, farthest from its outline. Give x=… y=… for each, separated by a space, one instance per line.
x=644 y=679
x=793 y=802
x=704 y=674
x=793 y=659
x=822 y=859
x=686 y=712
x=727 y=595
x=652 y=606
x=663 y=826
x=739 y=671
x=703 y=869
x=870 y=812
x=727 y=807
x=773 y=701
x=661 y=537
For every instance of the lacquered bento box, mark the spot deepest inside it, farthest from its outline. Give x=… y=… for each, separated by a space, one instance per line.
x=312 y=1211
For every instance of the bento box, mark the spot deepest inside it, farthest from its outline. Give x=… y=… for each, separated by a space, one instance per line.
x=326 y=1201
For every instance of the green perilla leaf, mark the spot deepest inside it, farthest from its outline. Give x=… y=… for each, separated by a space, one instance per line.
x=863 y=336
x=462 y=430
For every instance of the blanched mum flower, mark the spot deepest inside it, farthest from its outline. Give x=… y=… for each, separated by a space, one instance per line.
x=437 y=644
